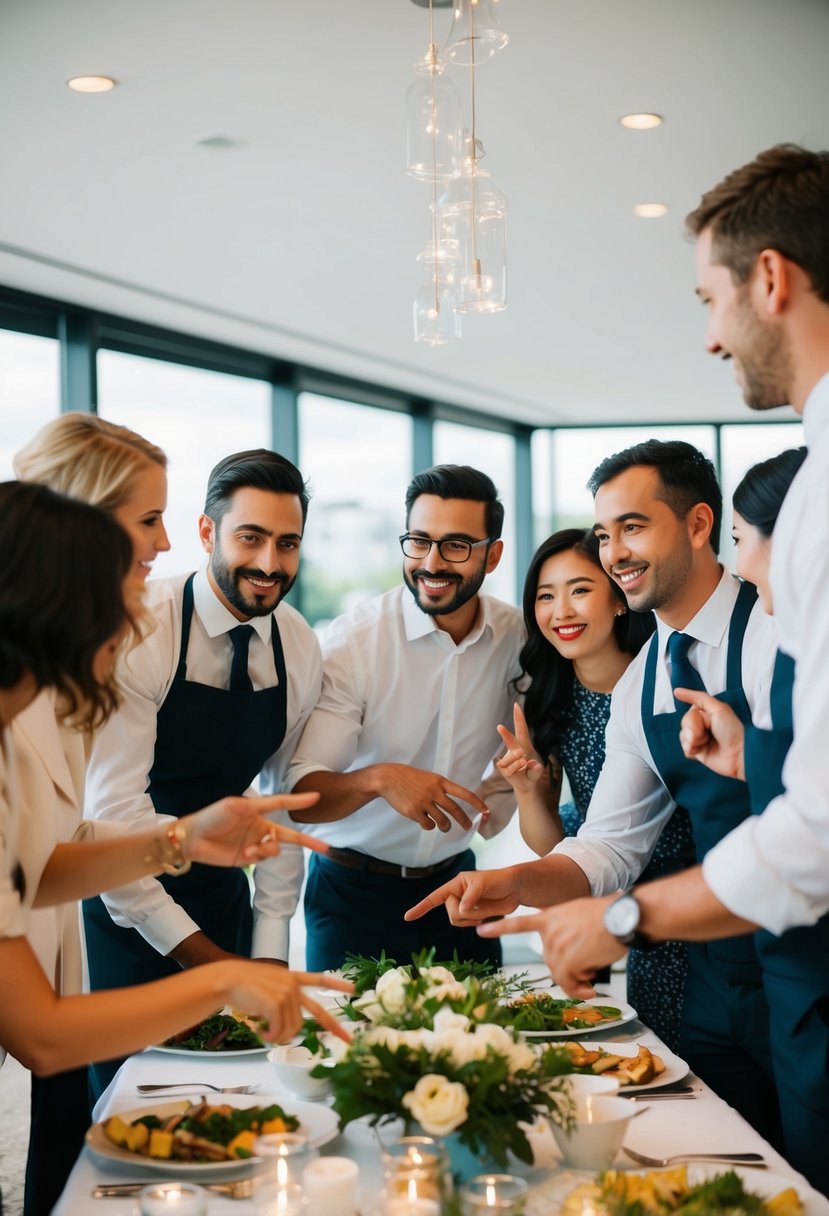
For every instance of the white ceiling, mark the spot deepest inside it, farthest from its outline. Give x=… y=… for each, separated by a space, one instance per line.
x=301 y=241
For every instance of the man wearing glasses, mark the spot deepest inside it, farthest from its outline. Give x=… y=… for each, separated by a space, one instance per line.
x=415 y=683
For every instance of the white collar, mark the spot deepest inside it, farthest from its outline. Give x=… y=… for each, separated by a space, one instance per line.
x=711 y=621
x=417 y=624
x=217 y=619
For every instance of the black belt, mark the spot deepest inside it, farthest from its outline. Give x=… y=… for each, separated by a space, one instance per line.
x=353 y=860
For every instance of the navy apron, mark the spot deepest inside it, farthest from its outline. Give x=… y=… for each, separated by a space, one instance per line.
x=795 y=967
x=210 y=743
x=725 y=1034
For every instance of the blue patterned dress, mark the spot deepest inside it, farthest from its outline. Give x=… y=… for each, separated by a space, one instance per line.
x=655 y=978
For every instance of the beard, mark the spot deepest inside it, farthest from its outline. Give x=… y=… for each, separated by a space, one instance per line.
x=665 y=580
x=228 y=581
x=764 y=362
x=465 y=589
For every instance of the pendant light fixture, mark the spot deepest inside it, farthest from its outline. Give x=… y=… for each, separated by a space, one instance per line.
x=476 y=33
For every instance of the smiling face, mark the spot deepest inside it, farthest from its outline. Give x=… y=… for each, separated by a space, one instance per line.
x=141 y=517
x=753 y=557
x=443 y=588
x=643 y=546
x=254 y=550
x=576 y=606
x=737 y=329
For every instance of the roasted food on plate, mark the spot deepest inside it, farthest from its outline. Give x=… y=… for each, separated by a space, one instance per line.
x=628 y=1070
x=617 y=1193
x=200 y=1132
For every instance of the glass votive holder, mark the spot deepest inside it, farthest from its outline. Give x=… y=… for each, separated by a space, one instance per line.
x=416 y=1167
x=501 y=1193
x=282 y=1158
x=273 y=1200
x=408 y=1204
x=332 y=1186
x=172 y=1199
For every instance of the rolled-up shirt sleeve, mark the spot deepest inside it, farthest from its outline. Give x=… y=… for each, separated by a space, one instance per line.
x=629 y=808
x=118 y=776
x=331 y=736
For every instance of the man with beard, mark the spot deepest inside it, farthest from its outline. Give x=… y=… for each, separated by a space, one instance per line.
x=216 y=693
x=415 y=684
x=658 y=512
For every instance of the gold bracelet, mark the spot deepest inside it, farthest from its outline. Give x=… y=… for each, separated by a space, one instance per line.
x=169 y=851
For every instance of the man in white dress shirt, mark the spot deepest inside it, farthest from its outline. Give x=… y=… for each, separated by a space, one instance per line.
x=217 y=692
x=416 y=682
x=658 y=509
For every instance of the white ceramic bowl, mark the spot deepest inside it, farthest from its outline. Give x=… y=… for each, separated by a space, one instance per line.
x=292 y=1066
x=601 y=1124
x=582 y=1084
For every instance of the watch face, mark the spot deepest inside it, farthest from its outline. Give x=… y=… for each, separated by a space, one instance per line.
x=622 y=917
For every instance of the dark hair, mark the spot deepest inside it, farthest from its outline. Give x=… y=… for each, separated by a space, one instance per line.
x=760 y=494
x=686 y=476
x=259 y=469
x=548 y=699
x=459 y=481
x=61 y=598
x=780 y=200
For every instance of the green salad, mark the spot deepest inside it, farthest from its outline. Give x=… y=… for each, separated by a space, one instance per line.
x=221 y=1032
x=539 y=1011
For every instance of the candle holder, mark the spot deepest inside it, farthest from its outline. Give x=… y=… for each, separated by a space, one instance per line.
x=501 y=1193
x=272 y=1200
x=283 y=1156
x=417 y=1167
x=172 y=1199
x=332 y=1186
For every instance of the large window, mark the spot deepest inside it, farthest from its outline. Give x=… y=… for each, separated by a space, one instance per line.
x=358 y=461
x=29 y=390
x=197 y=417
x=493 y=453
x=743 y=446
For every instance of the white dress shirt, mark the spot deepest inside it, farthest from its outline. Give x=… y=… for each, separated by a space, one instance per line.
x=630 y=805
x=398 y=690
x=122 y=755
x=774 y=868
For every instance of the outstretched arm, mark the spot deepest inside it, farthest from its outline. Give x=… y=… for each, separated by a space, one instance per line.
x=428 y=799
x=712 y=733
x=477 y=895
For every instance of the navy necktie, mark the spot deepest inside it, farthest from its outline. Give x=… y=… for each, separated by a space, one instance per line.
x=683 y=673
x=240 y=637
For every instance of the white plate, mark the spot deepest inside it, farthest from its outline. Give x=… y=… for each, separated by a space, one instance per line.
x=626 y=1014
x=319 y=1123
x=761 y=1182
x=211 y=1055
x=675 y=1067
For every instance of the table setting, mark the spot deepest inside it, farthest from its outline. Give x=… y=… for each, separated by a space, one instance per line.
x=436 y=1109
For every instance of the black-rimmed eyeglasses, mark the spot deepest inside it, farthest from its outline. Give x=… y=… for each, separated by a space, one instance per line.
x=451 y=549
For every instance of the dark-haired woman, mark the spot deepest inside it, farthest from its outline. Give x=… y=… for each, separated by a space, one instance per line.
x=580 y=640
x=63 y=617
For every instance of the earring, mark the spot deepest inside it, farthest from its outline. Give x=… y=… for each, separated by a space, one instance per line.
x=620 y=611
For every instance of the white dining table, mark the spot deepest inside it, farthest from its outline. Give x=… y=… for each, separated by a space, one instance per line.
x=702 y=1124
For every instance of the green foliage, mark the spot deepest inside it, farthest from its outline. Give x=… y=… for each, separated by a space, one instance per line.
x=221 y=1032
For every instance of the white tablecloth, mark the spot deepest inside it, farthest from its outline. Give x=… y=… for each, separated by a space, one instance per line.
x=705 y=1124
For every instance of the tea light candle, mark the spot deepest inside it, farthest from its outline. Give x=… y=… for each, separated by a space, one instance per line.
x=172 y=1199
x=331 y=1186
x=400 y=1206
x=490 y=1193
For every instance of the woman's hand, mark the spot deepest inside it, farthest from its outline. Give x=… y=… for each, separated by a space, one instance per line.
x=522 y=765
x=235 y=832
x=712 y=733
x=278 y=995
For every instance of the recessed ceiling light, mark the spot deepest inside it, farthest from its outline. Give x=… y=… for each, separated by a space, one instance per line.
x=641 y=122
x=650 y=211
x=91 y=84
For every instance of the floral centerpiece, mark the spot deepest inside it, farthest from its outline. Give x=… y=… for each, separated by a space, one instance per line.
x=429 y=1051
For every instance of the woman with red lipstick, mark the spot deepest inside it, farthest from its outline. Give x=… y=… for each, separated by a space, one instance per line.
x=580 y=640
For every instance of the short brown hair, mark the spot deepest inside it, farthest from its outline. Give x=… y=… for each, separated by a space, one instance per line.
x=780 y=201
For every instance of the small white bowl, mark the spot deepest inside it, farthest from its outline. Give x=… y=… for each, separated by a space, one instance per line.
x=600 y=1127
x=293 y=1066
x=583 y=1083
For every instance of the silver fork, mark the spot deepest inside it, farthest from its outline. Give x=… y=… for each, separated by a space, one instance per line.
x=751 y=1159
x=218 y=1089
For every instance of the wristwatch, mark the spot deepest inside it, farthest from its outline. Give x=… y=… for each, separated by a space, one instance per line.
x=621 y=919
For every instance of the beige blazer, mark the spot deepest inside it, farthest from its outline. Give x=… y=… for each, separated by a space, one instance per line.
x=50 y=763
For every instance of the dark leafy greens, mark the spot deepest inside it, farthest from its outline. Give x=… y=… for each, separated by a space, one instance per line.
x=540 y=1011
x=221 y=1032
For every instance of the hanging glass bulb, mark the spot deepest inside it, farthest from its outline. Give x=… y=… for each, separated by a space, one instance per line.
x=433 y=121
x=472 y=211
x=435 y=320
x=476 y=34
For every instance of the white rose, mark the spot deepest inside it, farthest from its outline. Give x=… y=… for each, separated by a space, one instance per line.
x=369 y=1006
x=495 y=1037
x=385 y=1035
x=452 y=990
x=391 y=990
x=521 y=1058
x=439 y=1105
x=446 y=1019
x=438 y=975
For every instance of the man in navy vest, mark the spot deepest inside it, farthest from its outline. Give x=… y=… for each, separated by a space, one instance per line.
x=216 y=693
x=658 y=511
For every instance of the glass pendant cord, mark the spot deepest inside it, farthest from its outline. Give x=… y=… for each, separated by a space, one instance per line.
x=476 y=264
x=433 y=56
